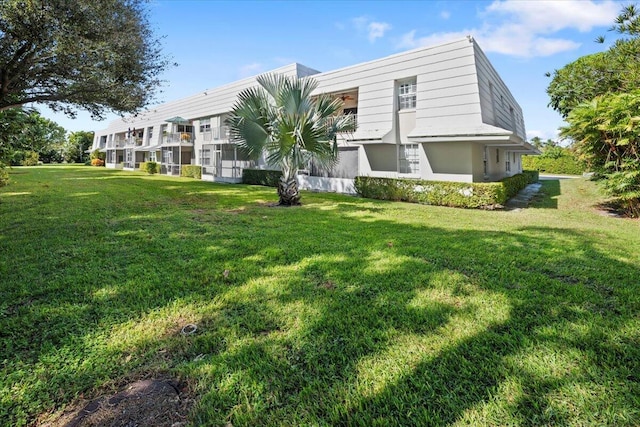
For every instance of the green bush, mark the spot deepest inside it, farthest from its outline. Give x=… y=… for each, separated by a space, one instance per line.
x=441 y=193
x=564 y=165
x=191 y=171
x=97 y=154
x=149 y=167
x=4 y=176
x=532 y=176
x=266 y=177
x=30 y=158
x=16 y=158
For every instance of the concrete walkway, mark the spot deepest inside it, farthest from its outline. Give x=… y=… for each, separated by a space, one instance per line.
x=523 y=198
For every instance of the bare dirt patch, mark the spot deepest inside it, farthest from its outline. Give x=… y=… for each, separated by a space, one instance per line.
x=151 y=402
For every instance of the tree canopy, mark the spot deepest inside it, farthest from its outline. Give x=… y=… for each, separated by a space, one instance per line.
x=599 y=96
x=97 y=56
x=616 y=70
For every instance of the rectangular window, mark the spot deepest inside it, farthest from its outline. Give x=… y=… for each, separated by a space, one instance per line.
x=152 y=156
x=409 y=159
x=149 y=135
x=185 y=128
x=407 y=95
x=507 y=163
x=497 y=155
x=485 y=160
x=205 y=125
x=205 y=157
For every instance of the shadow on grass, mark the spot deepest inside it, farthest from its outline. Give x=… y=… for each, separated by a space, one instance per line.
x=327 y=314
x=548 y=196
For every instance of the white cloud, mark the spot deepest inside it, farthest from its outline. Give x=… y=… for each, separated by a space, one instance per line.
x=543 y=134
x=249 y=70
x=373 y=29
x=526 y=28
x=445 y=15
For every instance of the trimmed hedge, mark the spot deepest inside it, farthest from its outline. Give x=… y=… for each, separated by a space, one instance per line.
x=565 y=165
x=149 y=167
x=269 y=178
x=191 y=171
x=4 y=176
x=444 y=193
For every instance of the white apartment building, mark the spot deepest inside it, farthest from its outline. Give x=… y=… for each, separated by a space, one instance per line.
x=437 y=113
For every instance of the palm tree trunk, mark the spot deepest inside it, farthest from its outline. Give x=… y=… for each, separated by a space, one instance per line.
x=288 y=191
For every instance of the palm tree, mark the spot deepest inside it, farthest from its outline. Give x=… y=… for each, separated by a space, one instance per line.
x=281 y=120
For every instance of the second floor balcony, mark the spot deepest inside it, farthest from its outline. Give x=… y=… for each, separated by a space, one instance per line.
x=216 y=134
x=177 y=138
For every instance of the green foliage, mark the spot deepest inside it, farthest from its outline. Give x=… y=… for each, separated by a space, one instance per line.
x=606 y=134
x=266 y=177
x=532 y=176
x=76 y=146
x=97 y=154
x=281 y=119
x=26 y=130
x=440 y=193
x=95 y=55
x=191 y=171
x=30 y=158
x=149 y=167
x=4 y=175
x=564 y=165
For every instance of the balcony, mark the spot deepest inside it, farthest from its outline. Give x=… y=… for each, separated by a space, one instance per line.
x=216 y=134
x=177 y=138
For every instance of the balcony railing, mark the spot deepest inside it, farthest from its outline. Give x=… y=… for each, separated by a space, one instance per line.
x=216 y=134
x=174 y=138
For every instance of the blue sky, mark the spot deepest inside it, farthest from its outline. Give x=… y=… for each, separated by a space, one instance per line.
x=217 y=42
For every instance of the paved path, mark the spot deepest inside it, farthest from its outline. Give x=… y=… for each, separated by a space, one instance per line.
x=523 y=198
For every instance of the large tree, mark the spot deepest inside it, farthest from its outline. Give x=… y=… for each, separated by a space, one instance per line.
x=616 y=70
x=27 y=131
x=78 y=54
x=76 y=145
x=281 y=120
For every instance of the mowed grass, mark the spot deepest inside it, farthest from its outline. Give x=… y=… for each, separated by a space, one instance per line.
x=344 y=311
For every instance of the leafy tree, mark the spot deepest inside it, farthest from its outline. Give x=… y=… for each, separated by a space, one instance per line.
x=606 y=134
x=23 y=131
x=616 y=70
x=281 y=120
x=76 y=145
x=84 y=54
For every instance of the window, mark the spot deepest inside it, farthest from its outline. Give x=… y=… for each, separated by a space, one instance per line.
x=407 y=95
x=485 y=160
x=168 y=156
x=205 y=125
x=205 y=157
x=149 y=134
x=152 y=156
x=507 y=163
x=185 y=129
x=497 y=155
x=409 y=159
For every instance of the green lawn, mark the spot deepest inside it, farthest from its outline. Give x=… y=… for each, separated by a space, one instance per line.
x=344 y=311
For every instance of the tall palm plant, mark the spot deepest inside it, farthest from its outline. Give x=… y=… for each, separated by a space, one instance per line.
x=281 y=120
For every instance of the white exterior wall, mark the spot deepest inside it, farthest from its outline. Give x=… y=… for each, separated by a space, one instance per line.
x=496 y=112
x=453 y=106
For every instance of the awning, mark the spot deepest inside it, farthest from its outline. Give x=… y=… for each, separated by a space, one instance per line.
x=148 y=148
x=178 y=120
x=367 y=135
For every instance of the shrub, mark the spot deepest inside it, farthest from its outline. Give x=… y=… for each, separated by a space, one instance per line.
x=17 y=157
x=191 y=171
x=532 y=176
x=565 y=164
x=441 y=193
x=4 y=176
x=97 y=162
x=149 y=167
x=266 y=177
x=31 y=158
x=96 y=154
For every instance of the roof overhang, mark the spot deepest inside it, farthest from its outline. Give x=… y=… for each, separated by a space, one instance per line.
x=149 y=148
x=367 y=135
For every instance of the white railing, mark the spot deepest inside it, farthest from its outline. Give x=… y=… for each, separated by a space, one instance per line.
x=171 y=138
x=216 y=134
